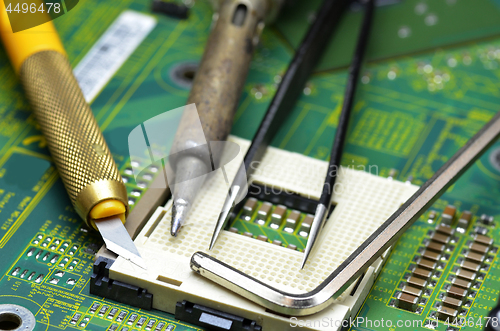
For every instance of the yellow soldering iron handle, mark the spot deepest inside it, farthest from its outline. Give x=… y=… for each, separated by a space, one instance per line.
x=77 y=146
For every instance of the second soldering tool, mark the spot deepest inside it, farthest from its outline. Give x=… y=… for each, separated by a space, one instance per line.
x=216 y=91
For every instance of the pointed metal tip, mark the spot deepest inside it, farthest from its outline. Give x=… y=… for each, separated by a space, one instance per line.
x=175 y=228
x=221 y=221
x=118 y=240
x=213 y=240
x=223 y=216
x=215 y=235
x=317 y=226
x=218 y=228
x=306 y=255
x=179 y=211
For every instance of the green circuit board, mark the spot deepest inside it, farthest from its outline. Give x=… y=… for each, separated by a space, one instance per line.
x=415 y=107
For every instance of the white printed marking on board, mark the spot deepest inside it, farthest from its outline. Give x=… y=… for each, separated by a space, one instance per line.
x=114 y=47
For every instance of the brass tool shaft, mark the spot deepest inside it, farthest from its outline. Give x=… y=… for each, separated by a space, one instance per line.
x=74 y=139
x=78 y=148
x=75 y=142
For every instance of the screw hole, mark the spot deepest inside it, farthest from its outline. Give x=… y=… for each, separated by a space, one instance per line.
x=189 y=74
x=183 y=74
x=9 y=321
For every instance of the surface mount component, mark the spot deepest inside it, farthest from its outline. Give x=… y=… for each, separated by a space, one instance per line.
x=277 y=216
x=249 y=206
x=446 y=313
x=469 y=265
x=261 y=237
x=440 y=238
x=422 y=273
x=407 y=301
x=465 y=274
x=463 y=221
x=481 y=230
x=75 y=318
x=451 y=302
x=426 y=264
x=485 y=240
x=478 y=248
x=461 y=283
x=417 y=282
x=445 y=229
x=305 y=227
x=412 y=290
x=263 y=212
x=487 y=219
x=457 y=292
x=430 y=255
x=436 y=247
x=449 y=215
x=292 y=220
x=472 y=256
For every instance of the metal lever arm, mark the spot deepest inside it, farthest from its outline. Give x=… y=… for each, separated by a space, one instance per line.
x=364 y=255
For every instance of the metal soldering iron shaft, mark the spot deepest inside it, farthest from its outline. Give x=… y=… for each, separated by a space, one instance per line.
x=216 y=91
x=341 y=133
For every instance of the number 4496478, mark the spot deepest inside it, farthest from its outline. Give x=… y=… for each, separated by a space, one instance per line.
x=33 y=8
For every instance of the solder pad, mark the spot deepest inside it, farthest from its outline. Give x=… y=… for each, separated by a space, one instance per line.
x=363 y=201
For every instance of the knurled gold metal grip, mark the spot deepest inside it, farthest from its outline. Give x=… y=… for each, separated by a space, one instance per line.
x=74 y=139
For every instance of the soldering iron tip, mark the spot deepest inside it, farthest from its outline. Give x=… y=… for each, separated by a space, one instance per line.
x=179 y=210
x=176 y=224
x=175 y=229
